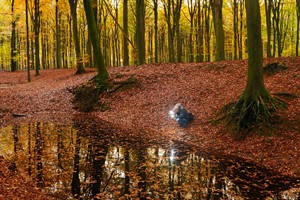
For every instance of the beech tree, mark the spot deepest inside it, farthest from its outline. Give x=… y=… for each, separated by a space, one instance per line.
x=36 y=24
x=13 y=49
x=27 y=42
x=140 y=31
x=219 y=31
x=94 y=34
x=79 y=62
x=255 y=105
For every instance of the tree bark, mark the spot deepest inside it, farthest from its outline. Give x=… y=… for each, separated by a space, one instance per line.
x=57 y=37
x=36 y=36
x=13 y=50
x=79 y=61
x=125 y=34
x=219 y=31
x=255 y=85
x=140 y=31
x=98 y=57
x=27 y=42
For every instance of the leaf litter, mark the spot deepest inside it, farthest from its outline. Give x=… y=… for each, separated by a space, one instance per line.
x=141 y=111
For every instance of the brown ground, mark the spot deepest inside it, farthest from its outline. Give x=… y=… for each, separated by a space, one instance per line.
x=141 y=110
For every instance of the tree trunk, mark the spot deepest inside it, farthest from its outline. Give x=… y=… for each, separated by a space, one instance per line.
x=125 y=40
x=57 y=37
x=79 y=59
x=27 y=42
x=140 y=31
x=36 y=36
x=92 y=26
x=13 y=49
x=219 y=31
x=255 y=85
x=268 y=22
x=155 y=2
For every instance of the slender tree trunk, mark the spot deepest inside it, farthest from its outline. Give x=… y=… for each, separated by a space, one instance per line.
x=298 y=27
x=38 y=152
x=125 y=40
x=207 y=29
x=155 y=9
x=140 y=31
x=240 y=36
x=79 y=59
x=13 y=49
x=268 y=22
x=219 y=31
x=57 y=37
x=142 y=184
x=37 y=36
x=75 y=178
x=27 y=42
x=127 y=171
x=235 y=28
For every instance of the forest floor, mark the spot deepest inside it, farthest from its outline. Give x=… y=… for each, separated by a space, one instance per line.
x=141 y=109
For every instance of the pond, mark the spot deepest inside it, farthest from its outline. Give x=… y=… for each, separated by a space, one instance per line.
x=78 y=162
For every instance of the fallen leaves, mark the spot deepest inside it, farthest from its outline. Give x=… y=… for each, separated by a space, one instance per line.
x=142 y=110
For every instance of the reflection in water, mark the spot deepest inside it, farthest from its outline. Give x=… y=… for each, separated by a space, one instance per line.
x=84 y=162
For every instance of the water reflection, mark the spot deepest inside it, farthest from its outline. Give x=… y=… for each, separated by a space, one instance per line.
x=82 y=161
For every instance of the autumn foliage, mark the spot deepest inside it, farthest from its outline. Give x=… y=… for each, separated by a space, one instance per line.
x=141 y=111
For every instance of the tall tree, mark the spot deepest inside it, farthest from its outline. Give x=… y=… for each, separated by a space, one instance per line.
x=94 y=34
x=268 y=6
x=13 y=49
x=76 y=39
x=36 y=23
x=57 y=37
x=140 y=31
x=219 y=31
x=125 y=33
x=27 y=42
x=255 y=105
x=155 y=9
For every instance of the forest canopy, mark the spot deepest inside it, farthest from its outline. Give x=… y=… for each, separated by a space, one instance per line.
x=175 y=31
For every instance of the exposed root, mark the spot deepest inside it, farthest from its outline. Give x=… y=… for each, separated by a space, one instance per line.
x=86 y=96
x=246 y=113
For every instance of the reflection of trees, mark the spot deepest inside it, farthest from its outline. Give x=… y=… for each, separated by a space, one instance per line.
x=141 y=170
x=58 y=157
x=99 y=152
x=75 y=178
x=38 y=154
x=127 y=168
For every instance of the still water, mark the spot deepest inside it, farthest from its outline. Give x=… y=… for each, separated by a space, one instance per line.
x=71 y=161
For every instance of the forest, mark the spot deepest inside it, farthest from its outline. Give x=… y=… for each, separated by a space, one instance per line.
x=158 y=99
x=173 y=31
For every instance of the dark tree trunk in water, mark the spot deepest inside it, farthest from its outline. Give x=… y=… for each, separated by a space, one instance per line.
x=142 y=174
x=75 y=179
x=127 y=178
x=100 y=151
x=38 y=150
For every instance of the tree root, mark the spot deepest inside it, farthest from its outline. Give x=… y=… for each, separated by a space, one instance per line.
x=86 y=96
x=246 y=113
